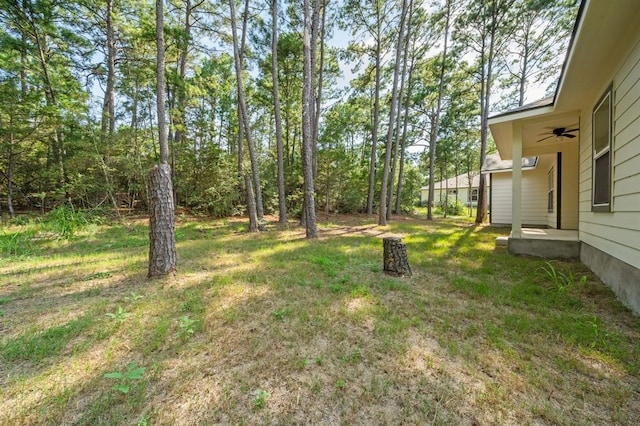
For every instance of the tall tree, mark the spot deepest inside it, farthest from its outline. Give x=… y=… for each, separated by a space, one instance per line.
x=382 y=217
x=308 y=105
x=433 y=135
x=162 y=241
x=372 y=23
x=399 y=119
x=254 y=223
x=485 y=29
x=282 y=196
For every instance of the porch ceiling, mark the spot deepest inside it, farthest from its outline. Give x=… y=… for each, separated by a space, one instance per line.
x=536 y=125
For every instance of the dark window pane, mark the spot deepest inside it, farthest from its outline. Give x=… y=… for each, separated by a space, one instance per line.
x=601 y=126
x=602 y=184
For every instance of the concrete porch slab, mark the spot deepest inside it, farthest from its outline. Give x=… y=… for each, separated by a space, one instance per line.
x=546 y=243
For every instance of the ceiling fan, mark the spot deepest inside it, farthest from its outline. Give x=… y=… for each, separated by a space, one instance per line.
x=559 y=132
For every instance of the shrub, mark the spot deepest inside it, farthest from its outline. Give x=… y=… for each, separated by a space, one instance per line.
x=452 y=207
x=65 y=221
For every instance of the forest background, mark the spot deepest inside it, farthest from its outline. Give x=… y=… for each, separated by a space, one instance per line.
x=399 y=95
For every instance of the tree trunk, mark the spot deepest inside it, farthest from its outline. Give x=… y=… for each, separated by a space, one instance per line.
x=254 y=225
x=436 y=120
x=10 y=162
x=395 y=260
x=382 y=217
x=484 y=126
x=162 y=252
x=244 y=115
x=376 y=114
x=307 y=129
x=162 y=241
x=401 y=94
x=282 y=196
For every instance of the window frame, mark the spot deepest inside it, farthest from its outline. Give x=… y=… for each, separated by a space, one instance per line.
x=473 y=195
x=602 y=206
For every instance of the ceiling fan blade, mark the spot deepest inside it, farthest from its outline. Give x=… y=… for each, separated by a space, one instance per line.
x=543 y=139
x=572 y=130
x=568 y=135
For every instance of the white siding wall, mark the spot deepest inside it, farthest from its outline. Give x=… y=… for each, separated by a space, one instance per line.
x=534 y=197
x=616 y=232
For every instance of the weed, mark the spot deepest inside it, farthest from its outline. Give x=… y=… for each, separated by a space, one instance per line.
x=97 y=276
x=66 y=221
x=353 y=357
x=186 y=327
x=17 y=244
x=193 y=303
x=120 y=315
x=561 y=280
x=125 y=379
x=340 y=384
x=158 y=336
x=281 y=314
x=134 y=297
x=260 y=400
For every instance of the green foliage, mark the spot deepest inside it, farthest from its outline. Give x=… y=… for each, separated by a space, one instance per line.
x=17 y=243
x=562 y=281
x=186 y=327
x=125 y=379
x=451 y=207
x=260 y=400
x=120 y=315
x=65 y=221
x=134 y=297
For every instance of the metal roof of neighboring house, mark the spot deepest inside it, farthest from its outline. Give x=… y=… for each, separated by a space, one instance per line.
x=461 y=181
x=494 y=164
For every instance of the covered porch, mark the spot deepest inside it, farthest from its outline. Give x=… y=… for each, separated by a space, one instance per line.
x=539 y=129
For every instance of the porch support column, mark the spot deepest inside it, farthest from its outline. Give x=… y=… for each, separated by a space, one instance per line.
x=516 y=189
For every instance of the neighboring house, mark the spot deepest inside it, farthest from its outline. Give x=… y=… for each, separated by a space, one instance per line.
x=456 y=188
x=591 y=131
x=538 y=194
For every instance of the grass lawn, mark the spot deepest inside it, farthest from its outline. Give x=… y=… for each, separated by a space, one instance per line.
x=273 y=329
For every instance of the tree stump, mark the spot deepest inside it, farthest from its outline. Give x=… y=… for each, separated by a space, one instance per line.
x=395 y=257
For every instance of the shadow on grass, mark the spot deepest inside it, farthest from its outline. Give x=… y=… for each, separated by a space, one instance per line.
x=318 y=320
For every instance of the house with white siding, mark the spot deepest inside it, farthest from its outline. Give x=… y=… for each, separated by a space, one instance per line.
x=538 y=202
x=463 y=187
x=590 y=130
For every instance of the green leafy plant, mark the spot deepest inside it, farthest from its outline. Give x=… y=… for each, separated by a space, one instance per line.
x=119 y=315
x=126 y=378
x=561 y=280
x=260 y=400
x=186 y=326
x=134 y=297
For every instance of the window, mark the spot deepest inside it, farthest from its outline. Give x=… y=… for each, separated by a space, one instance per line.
x=550 y=187
x=474 y=195
x=602 y=123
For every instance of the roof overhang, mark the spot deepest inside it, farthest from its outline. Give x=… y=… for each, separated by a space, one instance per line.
x=604 y=30
x=536 y=125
